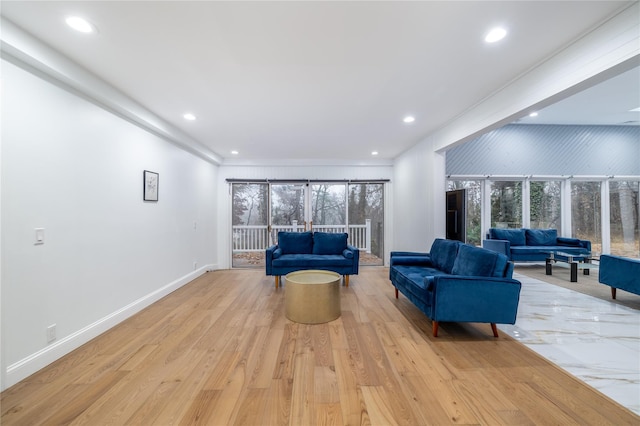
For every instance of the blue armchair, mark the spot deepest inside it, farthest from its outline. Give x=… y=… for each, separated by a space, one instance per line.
x=620 y=272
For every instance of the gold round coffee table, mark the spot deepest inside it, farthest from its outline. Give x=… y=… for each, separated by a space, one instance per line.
x=312 y=297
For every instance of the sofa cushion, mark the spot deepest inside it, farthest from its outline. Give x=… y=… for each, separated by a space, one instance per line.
x=478 y=262
x=443 y=254
x=311 y=261
x=541 y=237
x=515 y=236
x=329 y=243
x=295 y=242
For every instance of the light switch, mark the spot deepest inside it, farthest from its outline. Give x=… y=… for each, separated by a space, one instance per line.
x=39 y=239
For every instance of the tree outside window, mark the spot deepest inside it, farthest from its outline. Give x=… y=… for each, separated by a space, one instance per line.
x=586 y=213
x=624 y=204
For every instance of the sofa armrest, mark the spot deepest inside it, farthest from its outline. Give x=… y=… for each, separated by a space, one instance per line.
x=410 y=258
x=474 y=299
x=356 y=257
x=268 y=258
x=500 y=246
x=574 y=242
x=409 y=253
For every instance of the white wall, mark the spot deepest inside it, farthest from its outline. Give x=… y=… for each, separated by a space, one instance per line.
x=76 y=170
x=303 y=170
x=419 y=215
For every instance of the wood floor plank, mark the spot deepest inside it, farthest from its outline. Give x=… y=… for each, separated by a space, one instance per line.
x=303 y=403
x=220 y=350
x=378 y=408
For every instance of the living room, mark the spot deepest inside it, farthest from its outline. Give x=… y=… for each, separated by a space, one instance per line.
x=83 y=250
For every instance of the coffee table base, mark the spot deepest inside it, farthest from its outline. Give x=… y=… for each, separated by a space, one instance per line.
x=312 y=296
x=583 y=263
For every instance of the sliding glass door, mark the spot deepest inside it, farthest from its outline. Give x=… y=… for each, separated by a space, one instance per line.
x=329 y=207
x=249 y=224
x=261 y=210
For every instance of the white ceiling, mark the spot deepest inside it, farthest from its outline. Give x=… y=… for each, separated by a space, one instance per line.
x=321 y=80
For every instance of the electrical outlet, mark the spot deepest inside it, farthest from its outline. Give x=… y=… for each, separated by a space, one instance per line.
x=51 y=333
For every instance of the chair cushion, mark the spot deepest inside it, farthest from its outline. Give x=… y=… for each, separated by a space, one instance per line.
x=541 y=237
x=295 y=242
x=515 y=236
x=329 y=243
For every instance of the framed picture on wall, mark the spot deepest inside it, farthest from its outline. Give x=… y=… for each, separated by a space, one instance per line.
x=150 y=186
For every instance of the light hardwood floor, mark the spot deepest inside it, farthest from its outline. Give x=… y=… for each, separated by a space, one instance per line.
x=220 y=351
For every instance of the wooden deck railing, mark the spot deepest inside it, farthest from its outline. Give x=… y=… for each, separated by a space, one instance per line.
x=258 y=237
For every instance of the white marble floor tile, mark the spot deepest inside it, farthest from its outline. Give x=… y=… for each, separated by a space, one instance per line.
x=593 y=339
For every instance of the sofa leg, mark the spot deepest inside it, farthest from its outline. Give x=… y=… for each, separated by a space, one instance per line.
x=277 y=281
x=613 y=292
x=346 y=280
x=435 y=328
x=494 y=329
x=396 y=292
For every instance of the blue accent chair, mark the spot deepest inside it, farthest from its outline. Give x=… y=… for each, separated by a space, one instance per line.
x=459 y=283
x=620 y=272
x=325 y=251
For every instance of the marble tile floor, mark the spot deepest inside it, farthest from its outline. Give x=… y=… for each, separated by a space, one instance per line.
x=595 y=340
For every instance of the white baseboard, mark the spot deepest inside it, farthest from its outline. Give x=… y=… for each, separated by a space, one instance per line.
x=38 y=360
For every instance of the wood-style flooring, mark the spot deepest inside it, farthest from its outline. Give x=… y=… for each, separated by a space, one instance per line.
x=219 y=351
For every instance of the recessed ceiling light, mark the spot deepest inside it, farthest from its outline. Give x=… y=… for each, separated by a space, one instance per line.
x=533 y=114
x=374 y=152
x=409 y=119
x=189 y=116
x=495 y=34
x=80 y=24
x=234 y=152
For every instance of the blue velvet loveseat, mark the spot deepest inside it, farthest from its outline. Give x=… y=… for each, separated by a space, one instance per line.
x=457 y=282
x=533 y=245
x=620 y=272
x=325 y=251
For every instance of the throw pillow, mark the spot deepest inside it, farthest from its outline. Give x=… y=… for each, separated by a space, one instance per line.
x=329 y=243
x=571 y=242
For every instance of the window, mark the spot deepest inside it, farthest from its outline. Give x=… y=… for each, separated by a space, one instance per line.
x=586 y=213
x=366 y=221
x=544 y=202
x=624 y=206
x=506 y=204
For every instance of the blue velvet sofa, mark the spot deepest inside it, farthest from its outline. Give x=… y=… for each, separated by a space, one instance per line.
x=457 y=282
x=325 y=251
x=620 y=272
x=533 y=245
